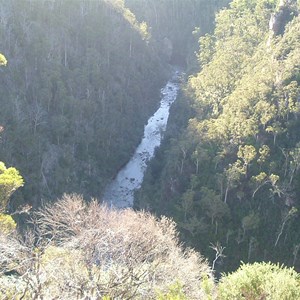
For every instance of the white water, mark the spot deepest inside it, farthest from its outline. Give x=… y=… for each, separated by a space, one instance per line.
x=120 y=193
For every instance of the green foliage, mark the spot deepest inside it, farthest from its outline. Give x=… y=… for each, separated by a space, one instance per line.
x=213 y=206
x=237 y=177
x=3 y=60
x=7 y=224
x=10 y=180
x=176 y=20
x=207 y=48
x=247 y=153
x=74 y=99
x=260 y=281
x=175 y=292
x=250 y=221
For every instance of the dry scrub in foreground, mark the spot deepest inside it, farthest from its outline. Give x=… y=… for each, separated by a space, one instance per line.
x=88 y=251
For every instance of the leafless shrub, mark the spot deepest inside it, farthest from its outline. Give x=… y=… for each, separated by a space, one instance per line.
x=10 y=251
x=87 y=251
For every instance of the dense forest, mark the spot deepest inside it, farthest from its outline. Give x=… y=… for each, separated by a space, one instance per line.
x=79 y=79
x=228 y=170
x=177 y=24
x=82 y=79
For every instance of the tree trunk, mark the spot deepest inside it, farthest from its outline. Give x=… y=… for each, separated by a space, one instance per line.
x=226 y=194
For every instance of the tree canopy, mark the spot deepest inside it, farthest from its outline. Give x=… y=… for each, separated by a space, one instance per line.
x=83 y=78
x=3 y=60
x=239 y=140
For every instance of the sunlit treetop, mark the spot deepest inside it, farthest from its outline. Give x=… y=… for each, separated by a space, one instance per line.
x=3 y=60
x=10 y=180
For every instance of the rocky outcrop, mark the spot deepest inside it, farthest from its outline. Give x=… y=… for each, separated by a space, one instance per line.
x=282 y=17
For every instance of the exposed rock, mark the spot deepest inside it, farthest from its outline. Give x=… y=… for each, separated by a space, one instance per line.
x=282 y=17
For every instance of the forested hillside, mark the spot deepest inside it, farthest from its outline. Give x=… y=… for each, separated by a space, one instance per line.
x=82 y=78
x=79 y=78
x=229 y=170
x=176 y=25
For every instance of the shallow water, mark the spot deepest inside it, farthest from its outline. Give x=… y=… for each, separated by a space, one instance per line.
x=120 y=192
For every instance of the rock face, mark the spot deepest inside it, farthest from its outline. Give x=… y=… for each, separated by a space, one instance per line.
x=282 y=17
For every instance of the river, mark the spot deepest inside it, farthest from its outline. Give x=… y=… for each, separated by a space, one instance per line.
x=120 y=192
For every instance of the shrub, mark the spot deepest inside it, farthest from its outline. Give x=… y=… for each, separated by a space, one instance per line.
x=260 y=281
x=7 y=224
x=87 y=251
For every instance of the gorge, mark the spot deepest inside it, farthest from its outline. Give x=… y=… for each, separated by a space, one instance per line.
x=120 y=192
